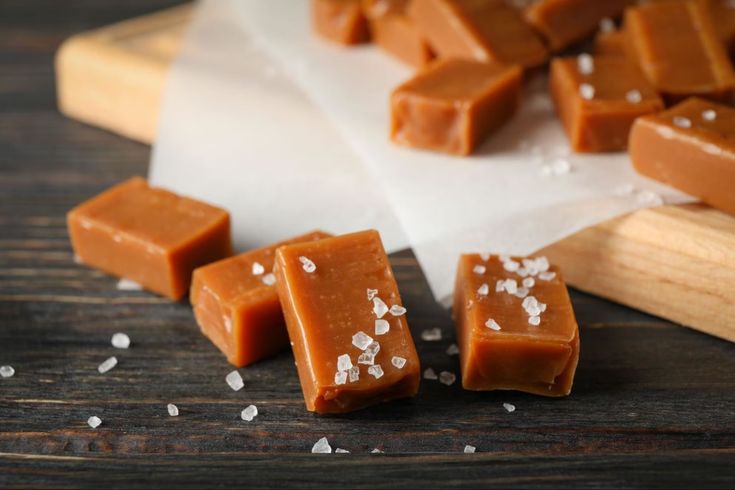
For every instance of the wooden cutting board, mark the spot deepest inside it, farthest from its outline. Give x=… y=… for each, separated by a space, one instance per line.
x=677 y=262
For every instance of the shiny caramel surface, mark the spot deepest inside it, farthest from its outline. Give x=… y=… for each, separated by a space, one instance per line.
x=326 y=307
x=340 y=21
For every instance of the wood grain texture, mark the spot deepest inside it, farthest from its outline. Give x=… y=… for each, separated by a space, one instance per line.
x=652 y=405
x=677 y=262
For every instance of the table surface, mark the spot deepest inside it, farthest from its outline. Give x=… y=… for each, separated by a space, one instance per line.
x=653 y=403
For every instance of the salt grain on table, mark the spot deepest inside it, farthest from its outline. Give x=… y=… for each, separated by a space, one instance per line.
x=469 y=449
x=509 y=407
x=431 y=335
x=429 y=373
x=234 y=381
x=339 y=450
x=108 y=364
x=452 y=350
x=7 y=371
x=120 y=341
x=128 y=285
x=249 y=413
x=447 y=378
x=321 y=446
x=173 y=410
x=94 y=421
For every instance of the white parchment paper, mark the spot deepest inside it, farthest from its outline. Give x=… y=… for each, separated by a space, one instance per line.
x=227 y=109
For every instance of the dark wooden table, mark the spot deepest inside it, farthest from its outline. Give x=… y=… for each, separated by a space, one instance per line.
x=653 y=403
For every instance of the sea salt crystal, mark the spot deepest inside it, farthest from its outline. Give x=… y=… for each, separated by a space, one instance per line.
x=371 y=294
x=108 y=364
x=511 y=285
x=397 y=310
x=128 y=285
x=521 y=293
x=361 y=340
x=633 y=96
x=431 y=334
x=94 y=421
x=173 y=410
x=339 y=450
x=382 y=327
x=376 y=451
x=249 y=413
x=269 y=279
x=307 y=264
x=585 y=64
x=340 y=377
x=469 y=449
x=529 y=282
x=452 y=350
x=120 y=341
x=492 y=325
x=607 y=25
x=353 y=374
x=234 y=381
x=682 y=122
x=587 y=91
x=344 y=362
x=547 y=275
x=479 y=269
x=373 y=348
x=709 y=115
x=322 y=446
x=483 y=290
x=258 y=269
x=500 y=286
x=447 y=378
x=509 y=407
x=484 y=257
x=430 y=374
x=376 y=370
x=366 y=358
x=534 y=320
x=379 y=307
x=7 y=371
x=511 y=265
x=522 y=271
x=398 y=362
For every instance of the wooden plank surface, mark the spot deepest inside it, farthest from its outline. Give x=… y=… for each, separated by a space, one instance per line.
x=677 y=262
x=652 y=405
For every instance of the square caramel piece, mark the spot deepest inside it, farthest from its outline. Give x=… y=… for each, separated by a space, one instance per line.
x=340 y=21
x=149 y=235
x=691 y=147
x=454 y=104
x=482 y=30
x=236 y=304
x=394 y=32
x=598 y=98
x=516 y=328
x=565 y=22
x=679 y=50
x=348 y=329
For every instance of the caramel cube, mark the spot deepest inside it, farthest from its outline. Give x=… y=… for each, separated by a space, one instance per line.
x=340 y=21
x=598 y=98
x=236 y=304
x=679 y=50
x=344 y=316
x=149 y=235
x=454 y=104
x=516 y=328
x=393 y=31
x=565 y=22
x=486 y=30
x=691 y=147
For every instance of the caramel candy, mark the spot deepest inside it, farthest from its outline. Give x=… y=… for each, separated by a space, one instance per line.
x=515 y=326
x=340 y=21
x=236 y=304
x=484 y=30
x=454 y=104
x=598 y=98
x=149 y=235
x=564 y=22
x=691 y=147
x=394 y=32
x=344 y=316
x=678 y=49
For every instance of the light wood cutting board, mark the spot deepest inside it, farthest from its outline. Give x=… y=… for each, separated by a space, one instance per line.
x=677 y=262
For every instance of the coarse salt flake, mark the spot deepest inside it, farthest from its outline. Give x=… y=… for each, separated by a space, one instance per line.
x=634 y=96
x=340 y=377
x=397 y=310
x=483 y=290
x=339 y=450
x=511 y=265
x=234 y=381
x=258 y=269
x=587 y=91
x=534 y=320
x=429 y=373
x=585 y=64
x=307 y=264
x=500 y=286
x=376 y=370
x=376 y=451
x=107 y=364
x=120 y=341
x=366 y=358
x=249 y=413
x=452 y=350
x=511 y=286
x=492 y=325
x=379 y=307
x=447 y=378
x=382 y=327
x=321 y=446
x=529 y=282
x=173 y=410
x=431 y=334
x=371 y=293
x=353 y=374
x=479 y=269
x=361 y=340
x=469 y=449
x=521 y=292
x=682 y=122
x=398 y=362
x=547 y=275
x=709 y=115
x=373 y=348
x=269 y=279
x=485 y=257
x=509 y=407
x=128 y=285
x=94 y=421
x=344 y=362
x=7 y=371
